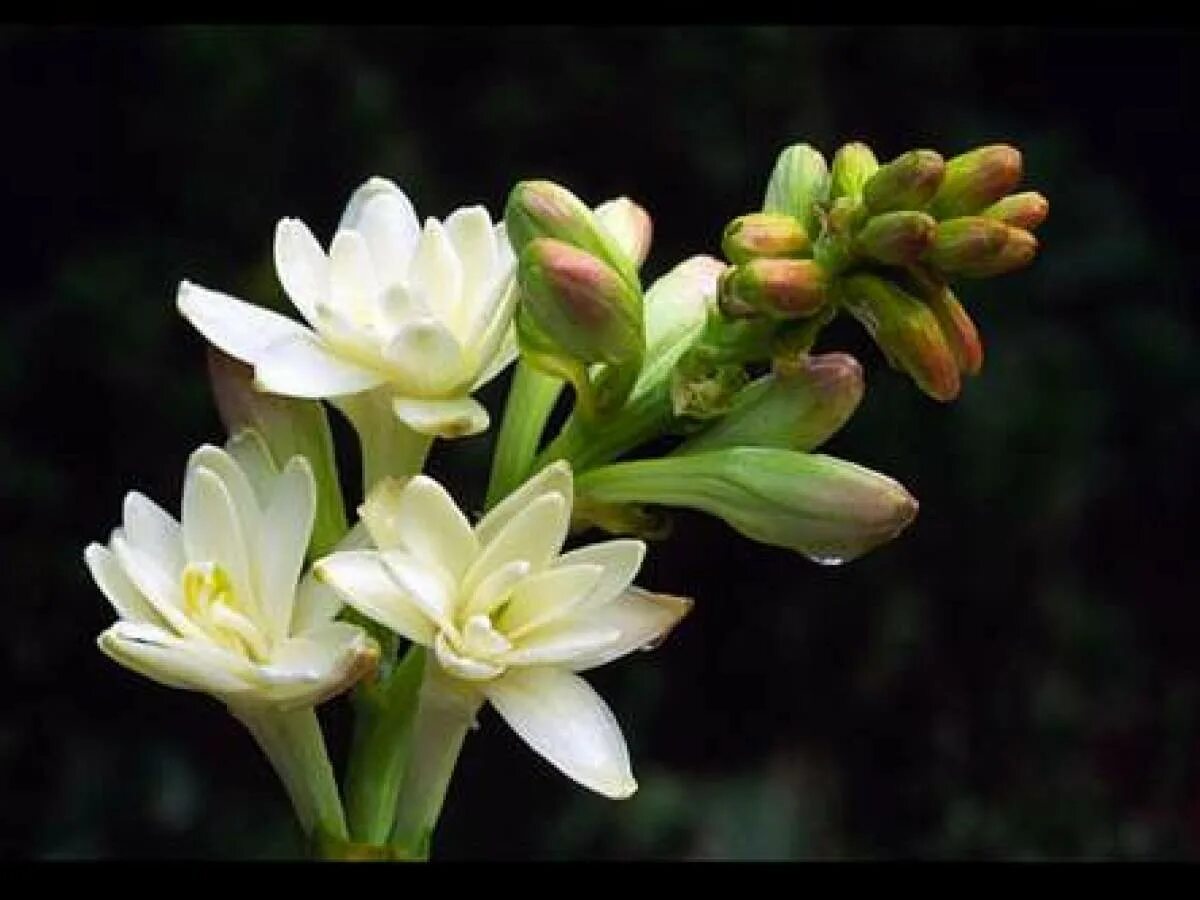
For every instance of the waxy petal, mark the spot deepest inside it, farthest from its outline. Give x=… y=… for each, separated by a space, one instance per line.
x=174 y=661
x=535 y=534
x=546 y=596
x=364 y=582
x=554 y=479
x=302 y=266
x=124 y=596
x=240 y=329
x=460 y=417
x=430 y=525
x=435 y=274
x=302 y=366
x=282 y=541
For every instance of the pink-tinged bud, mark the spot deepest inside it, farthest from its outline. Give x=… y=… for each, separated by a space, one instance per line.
x=630 y=227
x=771 y=235
x=853 y=166
x=896 y=238
x=978 y=247
x=776 y=288
x=1027 y=210
x=909 y=181
x=907 y=331
x=976 y=180
x=960 y=332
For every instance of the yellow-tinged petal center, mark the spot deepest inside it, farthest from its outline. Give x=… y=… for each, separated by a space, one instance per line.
x=210 y=601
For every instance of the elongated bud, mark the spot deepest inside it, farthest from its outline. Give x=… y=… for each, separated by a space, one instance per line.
x=543 y=209
x=773 y=235
x=1027 y=210
x=799 y=186
x=908 y=182
x=853 y=166
x=896 y=238
x=977 y=247
x=828 y=509
x=630 y=227
x=960 y=332
x=906 y=330
x=799 y=406
x=777 y=288
x=976 y=180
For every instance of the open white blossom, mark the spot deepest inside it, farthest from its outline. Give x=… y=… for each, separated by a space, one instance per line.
x=507 y=617
x=216 y=604
x=423 y=313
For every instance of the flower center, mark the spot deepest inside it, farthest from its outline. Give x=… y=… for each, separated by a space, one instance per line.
x=210 y=601
x=475 y=654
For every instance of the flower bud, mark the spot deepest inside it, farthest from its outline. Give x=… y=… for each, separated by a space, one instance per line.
x=704 y=390
x=764 y=235
x=908 y=182
x=960 y=332
x=1027 y=210
x=977 y=247
x=976 y=180
x=543 y=209
x=777 y=288
x=906 y=330
x=853 y=166
x=896 y=238
x=799 y=186
x=799 y=406
x=629 y=225
x=828 y=509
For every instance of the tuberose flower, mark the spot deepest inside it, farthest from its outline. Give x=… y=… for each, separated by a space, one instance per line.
x=216 y=604
x=423 y=313
x=509 y=618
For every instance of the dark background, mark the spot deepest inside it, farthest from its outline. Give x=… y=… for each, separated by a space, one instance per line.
x=1016 y=676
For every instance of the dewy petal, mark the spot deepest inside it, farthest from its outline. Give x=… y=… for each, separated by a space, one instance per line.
x=620 y=559
x=353 y=284
x=563 y=719
x=153 y=531
x=302 y=266
x=546 y=596
x=426 y=358
x=173 y=661
x=554 y=479
x=642 y=618
x=470 y=232
x=435 y=274
x=282 y=542
x=363 y=581
x=239 y=328
x=431 y=527
x=460 y=417
x=212 y=530
x=535 y=534
x=301 y=366
x=125 y=598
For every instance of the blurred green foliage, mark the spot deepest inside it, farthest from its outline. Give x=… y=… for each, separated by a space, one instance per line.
x=1014 y=677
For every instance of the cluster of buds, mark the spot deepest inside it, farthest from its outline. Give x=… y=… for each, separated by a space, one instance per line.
x=883 y=242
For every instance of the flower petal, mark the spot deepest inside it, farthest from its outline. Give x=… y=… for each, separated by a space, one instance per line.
x=535 y=534
x=363 y=581
x=302 y=266
x=153 y=531
x=563 y=719
x=173 y=661
x=245 y=500
x=311 y=668
x=426 y=357
x=159 y=586
x=460 y=417
x=430 y=526
x=239 y=328
x=470 y=232
x=495 y=588
x=435 y=274
x=546 y=596
x=554 y=479
x=461 y=666
x=249 y=450
x=302 y=366
x=125 y=598
x=353 y=284
x=282 y=542
x=427 y=586
x=620 y=559
x=317 y=602
x=643 y=619
x=213 y=531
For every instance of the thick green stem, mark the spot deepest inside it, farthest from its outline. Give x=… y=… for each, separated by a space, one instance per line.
x=446 y=712
x=383 y=723
x=531 y=398
x=293 y=742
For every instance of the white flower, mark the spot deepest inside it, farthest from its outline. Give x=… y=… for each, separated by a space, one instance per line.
x=507 y=617
x=424 y=314
x=213 y=604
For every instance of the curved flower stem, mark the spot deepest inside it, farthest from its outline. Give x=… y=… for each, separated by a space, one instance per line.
x=293 y=742
x=446 y=712
x=531 y=398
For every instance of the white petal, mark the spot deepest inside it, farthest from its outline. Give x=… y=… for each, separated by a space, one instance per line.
x=384 y=216
x=398 y=304
x=506 y=258
x=213 y=531
x=554 y=647
x=302 y=366
x=461 y=666
x=125 y=598
x=643 y=619
x=620 y=559
x=153 y=531
x=495 y=588
x=239 y=328
x=316 y=602
x=160 y=587
x=283 y=537
x=354 y=286
x=431 y=526
x=435 y=274
x=302 y=266
x=490 y=318
x=252 y=456
x=621 y=219
x=554 y=479
x=505 y=354
x=312 y=667
x=546 y=596
x=426 y=358
x=427 y=586
x=241 y=491
x=460 y=417
x=363 y=581
x=380 y=513
x=173 y=661
x=562 y=718
x=470 y=232
x=535 y=534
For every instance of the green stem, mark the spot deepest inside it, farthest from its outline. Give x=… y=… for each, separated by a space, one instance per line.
x=293 y=742
x=530 y=401
x=446 y=712
x=383 y=722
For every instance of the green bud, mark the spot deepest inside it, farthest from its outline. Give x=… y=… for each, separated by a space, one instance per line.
x=908 y=182
x=896 y=238
x=1027 y=210
x=629 y=225
x=976 y=180
x=764 y=235
x=977 y=247
x=960 y=332
x=853 y=166
x=799 y=186
x=799 y=406
x=828 y=509
x=906 y=330
x=776 y=288
x=543 y=209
